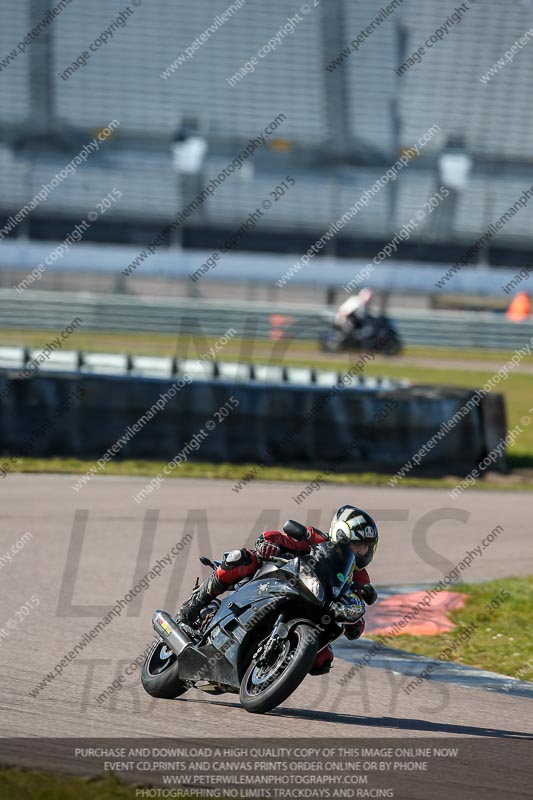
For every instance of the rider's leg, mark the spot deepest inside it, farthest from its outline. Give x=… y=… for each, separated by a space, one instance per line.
x=355 y=630
x=236 y=565
x=346 y=325
x=322 y=662
x=199 y=599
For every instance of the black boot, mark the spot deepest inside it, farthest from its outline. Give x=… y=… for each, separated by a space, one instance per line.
x=200 y=599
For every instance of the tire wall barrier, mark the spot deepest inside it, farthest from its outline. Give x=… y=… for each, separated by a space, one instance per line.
x=364 y=429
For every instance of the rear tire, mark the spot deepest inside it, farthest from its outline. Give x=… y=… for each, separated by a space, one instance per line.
x=285 y=677
x=159 y=675
x=393 y=346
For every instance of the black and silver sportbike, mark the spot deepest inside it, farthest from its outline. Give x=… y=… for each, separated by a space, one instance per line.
x=374 y=333
x=261 y=640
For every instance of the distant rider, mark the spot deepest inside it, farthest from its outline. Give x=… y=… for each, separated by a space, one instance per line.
x=351 y=315
x=350 y=525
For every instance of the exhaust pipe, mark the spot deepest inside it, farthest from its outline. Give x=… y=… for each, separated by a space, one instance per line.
x=168 y=630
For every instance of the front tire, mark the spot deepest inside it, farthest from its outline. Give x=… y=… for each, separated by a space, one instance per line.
x=264 y=687
x=159 y=675
x=333 y=342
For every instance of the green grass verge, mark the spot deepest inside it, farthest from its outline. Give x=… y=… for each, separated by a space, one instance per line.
x=20 y=784
x=23 y=784
x=197 y=469
x=236 y=472
x=501 y=644
x=169 y=344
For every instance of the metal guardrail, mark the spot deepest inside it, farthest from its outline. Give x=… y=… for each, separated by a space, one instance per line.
x=115 y=313
x=16 y=361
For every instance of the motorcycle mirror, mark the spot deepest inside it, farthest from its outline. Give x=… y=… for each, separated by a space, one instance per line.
x=295 y=529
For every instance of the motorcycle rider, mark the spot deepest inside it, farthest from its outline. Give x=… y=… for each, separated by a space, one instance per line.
x=350 y=525
x=351 y=315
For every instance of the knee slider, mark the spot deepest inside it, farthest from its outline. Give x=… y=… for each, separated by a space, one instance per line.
x=236 y=558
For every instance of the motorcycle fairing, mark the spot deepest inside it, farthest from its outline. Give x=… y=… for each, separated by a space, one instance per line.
x=217 y=656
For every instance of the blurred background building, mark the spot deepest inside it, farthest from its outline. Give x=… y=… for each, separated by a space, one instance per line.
x=183 y=113
x=197 y=168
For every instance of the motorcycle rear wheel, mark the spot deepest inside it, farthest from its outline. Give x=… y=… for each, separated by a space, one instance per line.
x=159 y=675
x=265 y=687
x=393 y=347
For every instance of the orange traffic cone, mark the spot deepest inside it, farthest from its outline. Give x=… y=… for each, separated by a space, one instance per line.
x=278 y=325
x=520 y=307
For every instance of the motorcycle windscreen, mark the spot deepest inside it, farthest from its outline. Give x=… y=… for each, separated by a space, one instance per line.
x=332 y=564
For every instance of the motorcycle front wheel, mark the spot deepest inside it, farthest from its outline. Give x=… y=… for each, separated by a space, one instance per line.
x=332 y=342
x=268 y=681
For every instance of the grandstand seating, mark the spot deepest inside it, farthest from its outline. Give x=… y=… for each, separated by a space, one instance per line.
x=360 y=110
x=149 y=188
x=13 y=181
x=495 y=119
x=312 y=203
x=14 y=74
x=414 y=187
x=486 y=200
x=150 y=191
x=369 y=77
x=119 y=81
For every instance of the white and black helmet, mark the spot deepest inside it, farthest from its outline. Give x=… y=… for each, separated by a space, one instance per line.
x=352 y=524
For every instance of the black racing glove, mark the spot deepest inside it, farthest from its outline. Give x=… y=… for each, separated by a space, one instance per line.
x=348 y=610
x=368 y=594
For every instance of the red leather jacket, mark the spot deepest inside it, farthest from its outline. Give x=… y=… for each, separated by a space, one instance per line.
x=359 y=577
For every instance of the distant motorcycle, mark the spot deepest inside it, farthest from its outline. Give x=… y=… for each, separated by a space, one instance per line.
x=376 y=333
x=261 y=641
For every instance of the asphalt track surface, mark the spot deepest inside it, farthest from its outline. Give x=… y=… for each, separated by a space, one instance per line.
x=90 y=547
x=420 y=542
